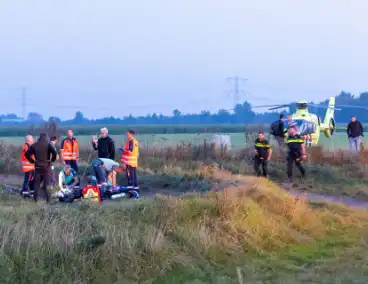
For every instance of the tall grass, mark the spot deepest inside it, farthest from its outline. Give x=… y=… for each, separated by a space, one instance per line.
x=333 y=172
x=195 y=239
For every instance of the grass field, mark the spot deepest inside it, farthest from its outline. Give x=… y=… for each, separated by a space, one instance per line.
x=118 y=129
x=339 y=140
x=235 y=228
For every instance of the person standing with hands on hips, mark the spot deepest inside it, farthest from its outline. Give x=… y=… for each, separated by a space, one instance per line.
x=129 y=157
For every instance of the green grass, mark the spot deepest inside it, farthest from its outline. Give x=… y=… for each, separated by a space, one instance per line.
x=339 y=140
x=117 y=129
x=253 y=226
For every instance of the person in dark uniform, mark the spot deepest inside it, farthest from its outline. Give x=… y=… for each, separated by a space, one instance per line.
x=42 y=154
x=280 y=138
x=296 y=152
x=263 y=153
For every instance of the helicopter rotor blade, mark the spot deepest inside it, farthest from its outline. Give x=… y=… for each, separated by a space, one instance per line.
x=271 y=107
x=325 y=107
x=266 y=106
x=352 y=106
x=277 y=107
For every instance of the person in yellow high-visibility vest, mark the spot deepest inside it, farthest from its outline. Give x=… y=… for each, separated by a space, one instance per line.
x=129 y=157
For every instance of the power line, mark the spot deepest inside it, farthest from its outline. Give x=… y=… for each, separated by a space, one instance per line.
x=237 y=90
x=24 y=101
x=130 y=107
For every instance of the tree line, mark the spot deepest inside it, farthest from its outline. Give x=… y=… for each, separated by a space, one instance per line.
x=241 y=114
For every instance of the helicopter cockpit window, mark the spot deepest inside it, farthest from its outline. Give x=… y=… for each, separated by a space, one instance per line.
x=302 y=105
x=305 y=127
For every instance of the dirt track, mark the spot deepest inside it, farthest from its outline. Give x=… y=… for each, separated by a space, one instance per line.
x=348 y=201
x=10 y=179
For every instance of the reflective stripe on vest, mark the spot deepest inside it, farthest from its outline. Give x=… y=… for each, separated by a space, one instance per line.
x=26 y=165
x=262 y=145
x=295 y=141
x=130 y=158
x=70 y=150
x=91 y=192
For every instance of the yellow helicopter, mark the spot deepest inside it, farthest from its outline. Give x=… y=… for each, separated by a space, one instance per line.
x=309 y=124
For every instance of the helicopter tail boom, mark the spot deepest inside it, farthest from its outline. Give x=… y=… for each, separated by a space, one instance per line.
x=329 y=121
x=330 y=112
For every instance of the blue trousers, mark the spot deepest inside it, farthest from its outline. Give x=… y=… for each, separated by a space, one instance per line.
x=99 y=171
x=354 y=144
x=28 y=183
x=131 y=175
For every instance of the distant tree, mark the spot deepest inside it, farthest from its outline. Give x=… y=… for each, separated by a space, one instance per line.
x=55 y=119
x=9 y=116
x=176 y=113
x=79 y=118
x=34 y=117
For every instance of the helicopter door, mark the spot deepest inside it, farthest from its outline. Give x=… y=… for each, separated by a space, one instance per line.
x=307 y=128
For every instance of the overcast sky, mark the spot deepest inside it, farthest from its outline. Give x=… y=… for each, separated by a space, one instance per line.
x=115 y=57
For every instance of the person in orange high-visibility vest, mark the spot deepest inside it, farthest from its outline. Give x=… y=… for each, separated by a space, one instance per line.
x=27 y=167
x=70 y=151
x=129 y=157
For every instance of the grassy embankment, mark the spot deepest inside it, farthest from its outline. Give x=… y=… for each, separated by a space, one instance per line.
x=253 y=226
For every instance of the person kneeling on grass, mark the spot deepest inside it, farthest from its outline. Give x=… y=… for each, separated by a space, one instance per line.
x=105 y=171
x=69 y=184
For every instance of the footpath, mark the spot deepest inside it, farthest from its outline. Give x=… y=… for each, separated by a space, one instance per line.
x=345 y=200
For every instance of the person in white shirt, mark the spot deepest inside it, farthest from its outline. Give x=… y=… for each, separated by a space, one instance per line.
x=105 y=171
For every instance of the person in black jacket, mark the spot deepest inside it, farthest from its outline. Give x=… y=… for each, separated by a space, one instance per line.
x=104 y=145
x=354 y=131
x=281 y=131
x=45 y=155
